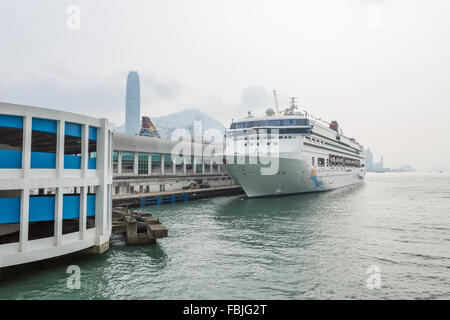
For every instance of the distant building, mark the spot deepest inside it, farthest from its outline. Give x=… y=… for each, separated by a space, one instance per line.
x=379 y=165
x=133 y=104
x=369 y=160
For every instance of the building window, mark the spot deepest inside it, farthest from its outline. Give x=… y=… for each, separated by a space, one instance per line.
x=143 y=163
x=115 y=162
x=72 y=146
x=92 y=161
x=43 y=144
x=168 y=163
x=11 y=136
x=127 y=162
x=156 y=163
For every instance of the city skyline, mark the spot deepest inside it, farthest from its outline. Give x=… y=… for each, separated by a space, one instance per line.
x=382 y=80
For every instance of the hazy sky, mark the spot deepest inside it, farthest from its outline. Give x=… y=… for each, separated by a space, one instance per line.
x=380 y=68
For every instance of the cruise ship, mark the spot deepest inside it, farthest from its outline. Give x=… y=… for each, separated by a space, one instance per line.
x=291 y=152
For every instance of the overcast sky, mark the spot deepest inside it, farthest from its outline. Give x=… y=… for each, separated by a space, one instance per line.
x=380 y=68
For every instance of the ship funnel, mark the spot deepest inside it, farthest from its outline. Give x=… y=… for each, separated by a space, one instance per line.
x=334 y=125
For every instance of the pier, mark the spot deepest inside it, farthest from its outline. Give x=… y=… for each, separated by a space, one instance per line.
x=155 y=198
x=139 y=227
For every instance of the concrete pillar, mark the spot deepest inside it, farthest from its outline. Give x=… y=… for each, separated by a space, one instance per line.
x=184 y=166
x=25 y=194
x=59 y=190
x=211 y=163
x=136 y=164
x=174 y=166
x=109 y=201
x=60 y=148
x=149 y=164
x=162 y=164
x=24 y=214
x=26 y=143
x=119 y=162
x=194 y=166
x=84 y=149
x=58 y=216
x=101 y=210
x=83 y=212
x=203 y=165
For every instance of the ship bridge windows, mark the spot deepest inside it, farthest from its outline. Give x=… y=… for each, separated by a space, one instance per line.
x=289 y=122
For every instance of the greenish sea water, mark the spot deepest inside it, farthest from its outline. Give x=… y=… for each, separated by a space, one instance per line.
x=314 y=246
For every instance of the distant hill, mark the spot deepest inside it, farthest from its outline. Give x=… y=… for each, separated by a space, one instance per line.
x=185 y=119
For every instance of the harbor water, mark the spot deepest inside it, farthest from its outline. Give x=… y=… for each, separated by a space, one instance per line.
x=386 y=239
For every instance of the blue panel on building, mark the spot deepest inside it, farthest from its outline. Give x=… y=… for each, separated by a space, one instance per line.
x=92 y=163
x=71 y=206
x=43 y=160
x=44 y=125
x=92 y=133
x=72 y=129
x=90 y=205
x=11 y=121
x=72 y=162
x=10 y=159
x=9 y=210
x=42 y=208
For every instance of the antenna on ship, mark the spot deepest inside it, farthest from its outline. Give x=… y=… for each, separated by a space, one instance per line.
x=275 y=97
x=292 y=107
x=293 y=102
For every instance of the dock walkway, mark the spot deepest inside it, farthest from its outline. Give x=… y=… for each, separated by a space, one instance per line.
x=143 y=199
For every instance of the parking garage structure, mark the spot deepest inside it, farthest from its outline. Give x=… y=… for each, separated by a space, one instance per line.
x=55 y=183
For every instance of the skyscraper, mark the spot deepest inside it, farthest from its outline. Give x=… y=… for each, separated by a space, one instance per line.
x=133 y=104
x=369 y=160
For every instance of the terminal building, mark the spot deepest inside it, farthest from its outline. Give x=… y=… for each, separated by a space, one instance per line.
x=145 y=165
x=55 y=183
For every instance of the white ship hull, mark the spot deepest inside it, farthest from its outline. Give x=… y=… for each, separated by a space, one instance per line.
x=293 y=177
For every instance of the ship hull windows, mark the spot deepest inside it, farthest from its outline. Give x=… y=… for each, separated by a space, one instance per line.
x=270 y=123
